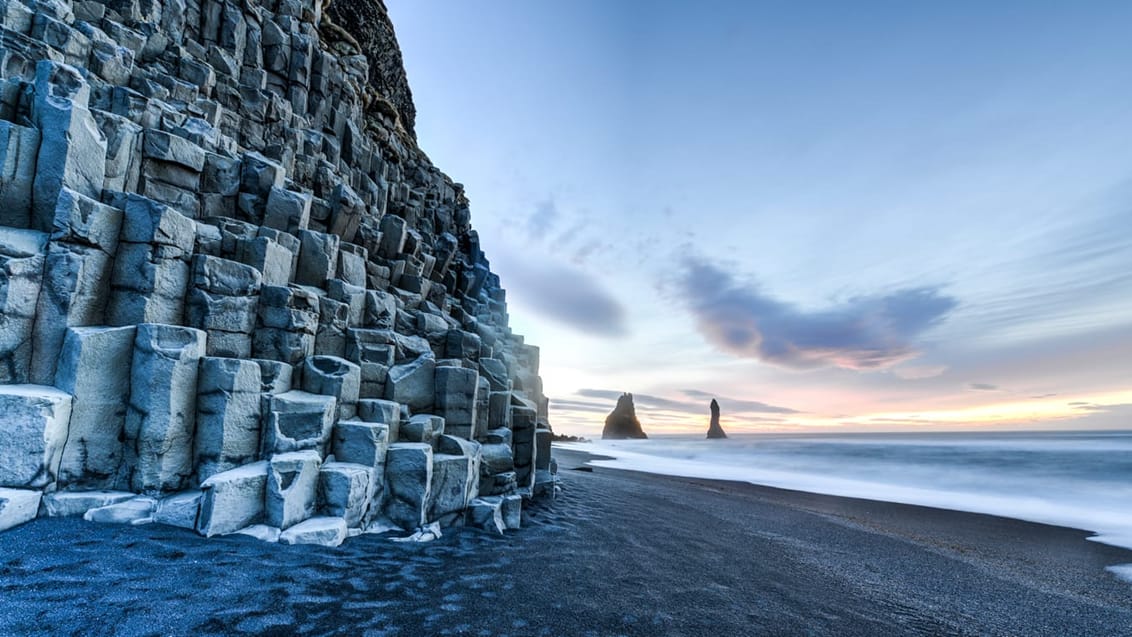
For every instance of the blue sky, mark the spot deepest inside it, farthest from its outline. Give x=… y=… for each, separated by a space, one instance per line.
x=877 y=215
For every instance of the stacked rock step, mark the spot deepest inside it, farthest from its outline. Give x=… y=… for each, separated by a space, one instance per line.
x=235 y=296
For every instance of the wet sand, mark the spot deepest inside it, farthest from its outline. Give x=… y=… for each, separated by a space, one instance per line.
x=618 y=553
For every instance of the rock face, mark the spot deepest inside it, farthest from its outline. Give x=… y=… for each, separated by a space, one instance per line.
x=622 y=422
x=235 y=296
x=714 y=430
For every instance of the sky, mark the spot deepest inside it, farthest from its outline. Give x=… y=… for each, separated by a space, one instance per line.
x=870 y=216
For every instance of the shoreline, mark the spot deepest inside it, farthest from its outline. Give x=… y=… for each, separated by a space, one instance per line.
x=1100 y=529
x=617 y=553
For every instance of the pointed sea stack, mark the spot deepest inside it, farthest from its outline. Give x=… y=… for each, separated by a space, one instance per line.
x=715 y=431
x=622 y=422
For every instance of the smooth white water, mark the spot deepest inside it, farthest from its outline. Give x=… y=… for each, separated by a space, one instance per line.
x=1076 y=479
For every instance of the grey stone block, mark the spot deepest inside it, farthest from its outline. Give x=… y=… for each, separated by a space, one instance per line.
x=321 y=531
x=233 y=499
x=456 y=399
x=94 y=367
x=179 y=510
x=161 y=418
x=381 y=411
x=19 y=146
x=21 y=278
x=344 y=491
x=137 y=510
x=413 y=383
x=17 y=506
x=499 y=410
x=333 y=376
x=287 y=210
x=292 y=488
x=455 y=482
x=361 y=443
x=422 y=428
x=296 y=421
x=173 y=149
x=74 y=291
x=523 y=422
x=486 y=515
x=381 y=310
x=36 y=420
x=318 y=258
x=408 y=476
x=72 y=152
x=75 y=503
x=228 y=415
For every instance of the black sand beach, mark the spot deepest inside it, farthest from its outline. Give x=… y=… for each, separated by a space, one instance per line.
x=618 y=553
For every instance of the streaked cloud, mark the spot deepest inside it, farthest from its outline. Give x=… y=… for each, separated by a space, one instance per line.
x=864 y=332
x=564 y=294
x=543 y=219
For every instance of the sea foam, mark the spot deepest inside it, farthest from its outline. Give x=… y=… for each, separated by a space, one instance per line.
x=1081 y=480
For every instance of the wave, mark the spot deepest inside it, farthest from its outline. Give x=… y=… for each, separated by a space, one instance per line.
x=1072 y=479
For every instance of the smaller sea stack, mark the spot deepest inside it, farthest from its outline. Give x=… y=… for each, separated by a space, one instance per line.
x=622 y=422
x=714 y=430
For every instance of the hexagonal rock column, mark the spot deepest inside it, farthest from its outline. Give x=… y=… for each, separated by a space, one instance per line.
x=455 y=479
x=321 y=531
x=286 y=323
x=408 y=475
x=94 y=367
x=292 y=488
x=18 y=506
x=373 y=351
x=228 y=415
x=318 y=258
x=35 y=421
x=222 y=301
x=523 y=432
x=413 y=383
x=161 y=420
x=151 y=269
x=333 y=376
x=360 y=444
x=76 y=275
x=233 y=499
x=456 y=389
x=72 y=152
x=422 y=428
x=297 y=420
x=344 y=491
x=21 y=276
x=486 y=515
x=386 y=412
x=19 y=146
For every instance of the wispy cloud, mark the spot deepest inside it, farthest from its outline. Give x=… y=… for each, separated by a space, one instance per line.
x=564 y=294
x=866 y=332
x=738 y=405
x=543 y=219
x=982 y=387
x=918 y=372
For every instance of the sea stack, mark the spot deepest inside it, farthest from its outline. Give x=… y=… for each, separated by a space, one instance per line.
x=714 y=430
x=622 y=422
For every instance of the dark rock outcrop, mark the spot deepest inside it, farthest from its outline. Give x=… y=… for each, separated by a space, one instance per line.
x=622 y=422
x=368 y=24
x=714 y=430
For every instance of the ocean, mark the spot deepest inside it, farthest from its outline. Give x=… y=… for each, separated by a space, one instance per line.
x=1076 y=479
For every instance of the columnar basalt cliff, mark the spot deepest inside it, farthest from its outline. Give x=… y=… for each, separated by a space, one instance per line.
x=235 y=296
